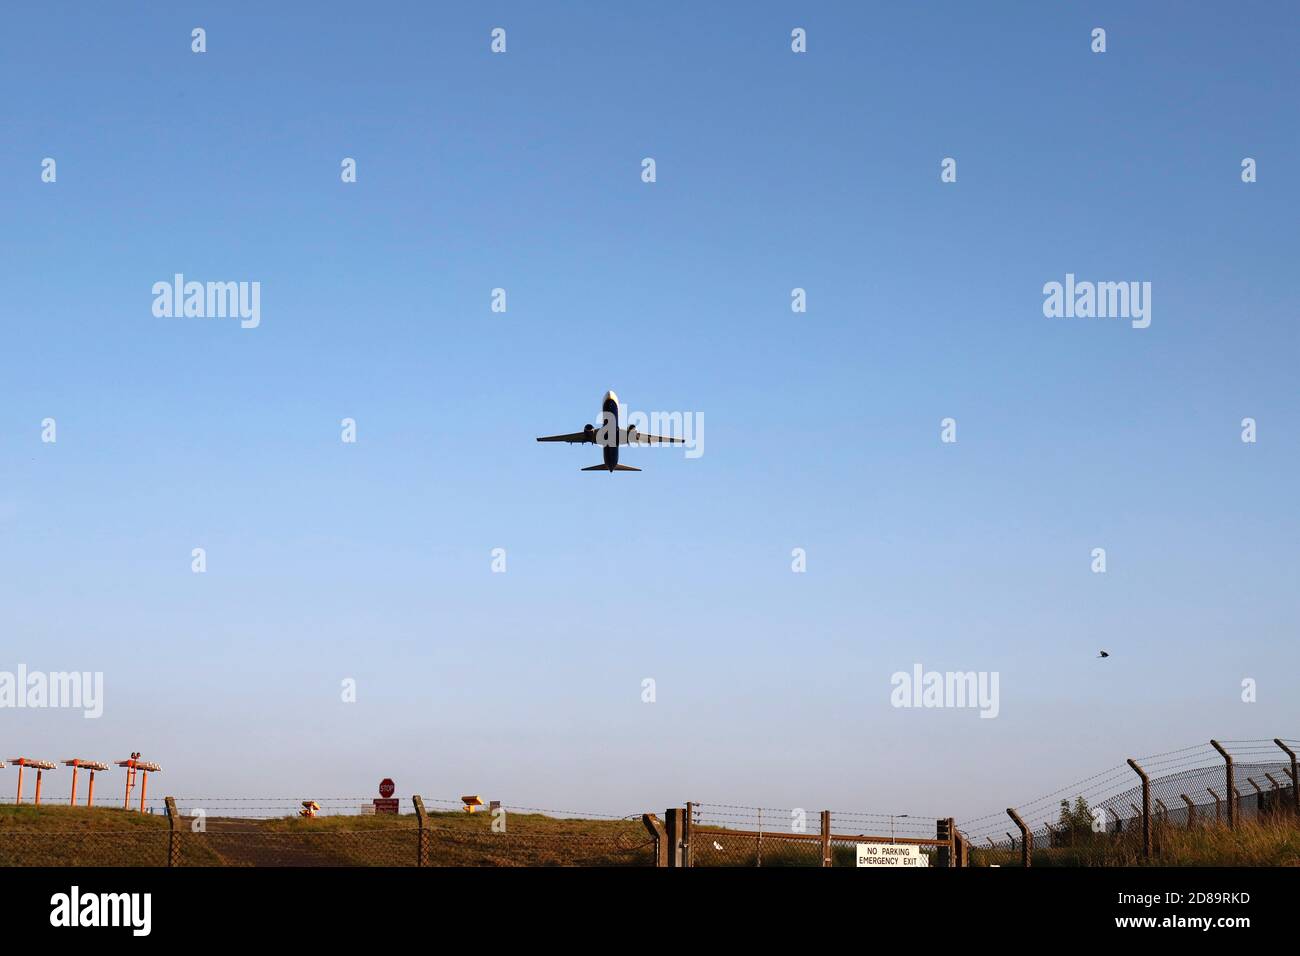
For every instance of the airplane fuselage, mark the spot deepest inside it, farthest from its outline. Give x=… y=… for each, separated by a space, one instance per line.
x=609 y=426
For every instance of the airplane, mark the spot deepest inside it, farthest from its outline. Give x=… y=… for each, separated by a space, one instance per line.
x=610 y=436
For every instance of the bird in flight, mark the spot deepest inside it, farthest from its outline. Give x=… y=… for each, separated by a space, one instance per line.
x=610 y=437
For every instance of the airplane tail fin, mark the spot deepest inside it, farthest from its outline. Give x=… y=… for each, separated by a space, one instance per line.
x=607 y=468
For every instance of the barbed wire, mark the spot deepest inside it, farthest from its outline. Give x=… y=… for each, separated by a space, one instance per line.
x=1166 y=769
x=1168 y=752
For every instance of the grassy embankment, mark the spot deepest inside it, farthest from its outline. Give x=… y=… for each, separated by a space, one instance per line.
x=1250 y=844
x=70 y=836
x=64 y=836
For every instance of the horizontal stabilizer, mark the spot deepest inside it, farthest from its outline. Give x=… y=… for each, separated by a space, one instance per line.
x=615 y=468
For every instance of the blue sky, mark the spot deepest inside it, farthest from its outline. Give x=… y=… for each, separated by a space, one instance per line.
x=775 y=170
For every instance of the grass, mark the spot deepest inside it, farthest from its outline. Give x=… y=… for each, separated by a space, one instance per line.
x=1252 y=843
x=90 y=819
x=455 y=839
x=72 y=836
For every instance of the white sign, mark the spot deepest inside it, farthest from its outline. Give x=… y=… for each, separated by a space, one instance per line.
x=891 y=854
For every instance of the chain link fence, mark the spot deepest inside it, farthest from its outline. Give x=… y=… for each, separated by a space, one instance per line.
x=738 y=835
x=265 y=832
x=132 y=847
x=735 y=835
x=1097 y=820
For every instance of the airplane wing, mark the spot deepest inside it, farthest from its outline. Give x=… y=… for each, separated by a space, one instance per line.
x=630 y=436
x=581 y=438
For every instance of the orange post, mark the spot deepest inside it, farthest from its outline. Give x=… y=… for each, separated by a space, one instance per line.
x=91 y=765
x=39 y=766
x=133 y=766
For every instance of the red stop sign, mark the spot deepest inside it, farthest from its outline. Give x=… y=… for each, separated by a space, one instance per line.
x=386 y=788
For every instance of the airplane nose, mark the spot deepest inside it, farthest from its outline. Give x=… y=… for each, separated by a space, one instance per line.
x=611 y=397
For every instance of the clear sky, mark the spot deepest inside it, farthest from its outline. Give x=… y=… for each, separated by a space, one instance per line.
x=775 y=170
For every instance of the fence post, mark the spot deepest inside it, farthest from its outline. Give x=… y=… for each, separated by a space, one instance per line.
x=1230 y=786
x=1026 y=838
x=1259 y=797
x=656 y=830
x=1295 y=783
x=1273 y=802
x=1163 y=815
x=1119 y=821
x=173 y=839
x=422 y=837
x=1191 y=811
x=826 y=838
x=1146 y=807
x=673 y=827
x=1218 y=815
x=688 y=820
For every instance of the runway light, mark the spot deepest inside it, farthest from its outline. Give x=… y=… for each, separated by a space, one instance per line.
x=40 y=765
x=143 y=767
x=471 y=803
